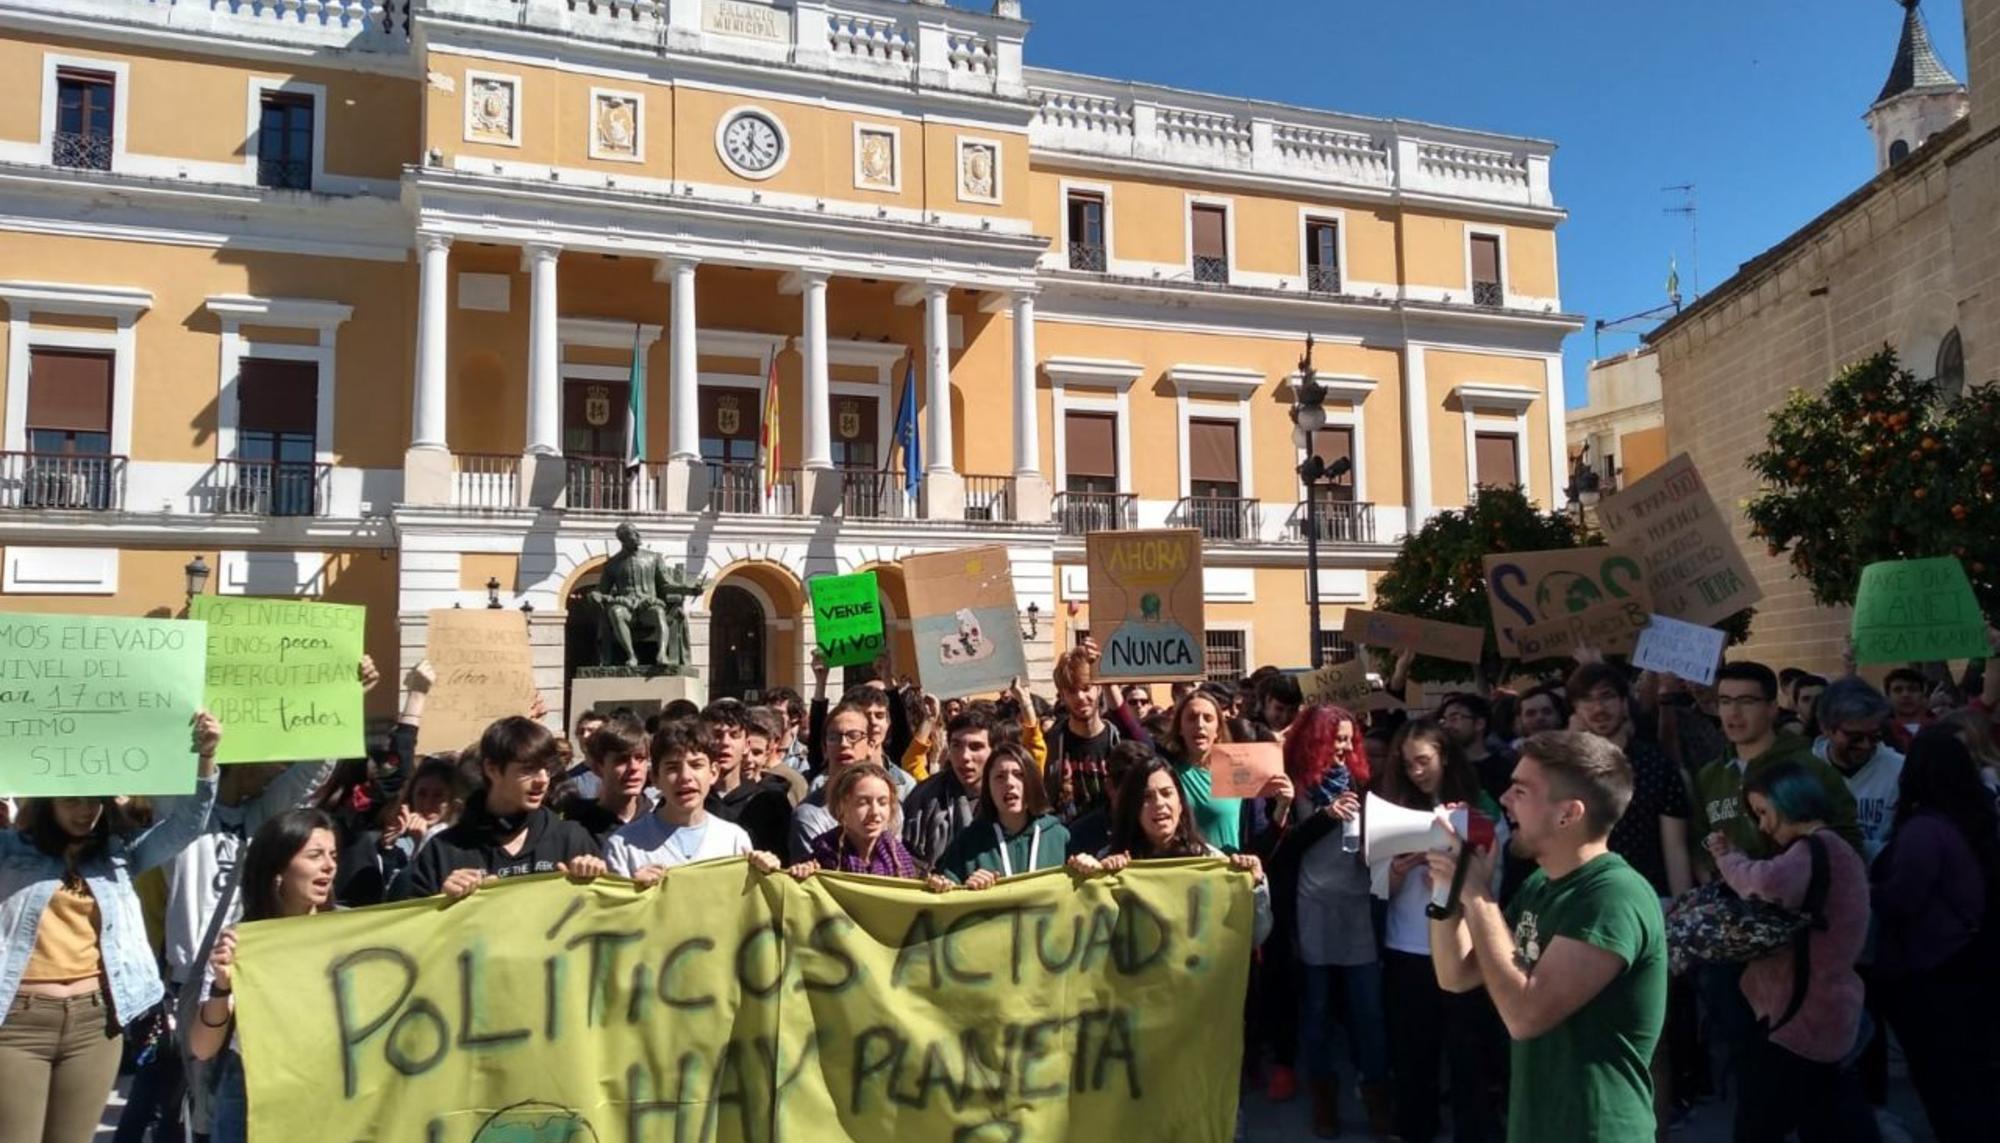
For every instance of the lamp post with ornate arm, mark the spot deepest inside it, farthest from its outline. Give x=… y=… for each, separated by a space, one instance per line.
x=1308 y=417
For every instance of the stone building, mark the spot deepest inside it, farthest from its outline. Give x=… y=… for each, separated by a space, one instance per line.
x=1911 y=259
x=1622 y=422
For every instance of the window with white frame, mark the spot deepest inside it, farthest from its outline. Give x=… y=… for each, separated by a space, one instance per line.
x=287 y=135
x=1496 y=435
x=1226 y=655
x=1208 y=241
x=1323 y=255
x=1486 y=256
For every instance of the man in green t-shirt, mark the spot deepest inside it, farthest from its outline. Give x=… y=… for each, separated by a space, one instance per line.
x=1577 y=964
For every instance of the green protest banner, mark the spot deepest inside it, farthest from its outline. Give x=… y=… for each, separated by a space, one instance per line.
x=1917 y=610
x=92 y=705
x=281 y=677
x=847 y=618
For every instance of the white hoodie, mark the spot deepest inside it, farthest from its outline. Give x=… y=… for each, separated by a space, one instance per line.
x=1875 y=787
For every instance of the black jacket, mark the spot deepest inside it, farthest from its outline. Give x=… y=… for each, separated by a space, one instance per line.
x=763 y=808
x=474 y=843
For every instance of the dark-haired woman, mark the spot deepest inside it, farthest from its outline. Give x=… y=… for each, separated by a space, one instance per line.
x=1013 y=831
x=1427 y=770
x=75 y=965
x=506 y=830
x=1794 y=1074
x=1152 y=821
x=288 y=871
x=1934 y=950
x=1320 y=897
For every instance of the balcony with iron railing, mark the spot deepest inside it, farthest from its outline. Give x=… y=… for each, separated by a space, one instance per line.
x=866 y=494
x=1214 y=271
x=267 y=488
x=1323 y=279
x=62 y=481
x=740 y=489
x=1340 y=522
x=1079 y=513
x=989 y=498
x=605 y=484
x=1087 y=256
x=1233 y=519
x=285 y=174
x=80 y=150
x=1491 y=294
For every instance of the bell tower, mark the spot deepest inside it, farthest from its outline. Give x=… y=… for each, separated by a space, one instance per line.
x=1921 y=97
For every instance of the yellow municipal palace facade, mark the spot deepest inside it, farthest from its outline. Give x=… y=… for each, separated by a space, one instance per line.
x=344 y=297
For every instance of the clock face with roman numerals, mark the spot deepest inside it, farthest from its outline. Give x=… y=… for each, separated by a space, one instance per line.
x=753 y=143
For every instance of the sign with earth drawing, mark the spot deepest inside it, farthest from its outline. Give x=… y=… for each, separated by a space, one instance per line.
x=1535 y=593
x=964 y=621
x=1146 y=604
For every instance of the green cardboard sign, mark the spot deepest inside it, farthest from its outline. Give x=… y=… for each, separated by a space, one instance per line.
x=282 y=679
x=1916 y=611
x=92 y=706
x=847 y=618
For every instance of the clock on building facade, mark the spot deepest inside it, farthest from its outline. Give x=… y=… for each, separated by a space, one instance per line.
x=752 y=143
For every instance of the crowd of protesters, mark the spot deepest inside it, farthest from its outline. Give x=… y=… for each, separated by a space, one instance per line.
x=1879 y=805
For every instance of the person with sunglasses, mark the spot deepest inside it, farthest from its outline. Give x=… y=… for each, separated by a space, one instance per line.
x=1852 y=716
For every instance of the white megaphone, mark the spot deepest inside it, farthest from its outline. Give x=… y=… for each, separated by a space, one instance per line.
x=1389 y=830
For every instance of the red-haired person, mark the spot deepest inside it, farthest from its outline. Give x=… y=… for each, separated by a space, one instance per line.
x=1326 y=922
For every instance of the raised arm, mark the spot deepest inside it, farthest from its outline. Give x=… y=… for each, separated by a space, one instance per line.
x=158 y=844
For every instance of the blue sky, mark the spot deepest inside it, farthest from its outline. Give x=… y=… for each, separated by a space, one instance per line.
x=1757 y=102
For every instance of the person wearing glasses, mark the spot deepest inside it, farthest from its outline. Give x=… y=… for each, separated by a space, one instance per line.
x=848 y=742
x=1852 y=716
x=1466 y=717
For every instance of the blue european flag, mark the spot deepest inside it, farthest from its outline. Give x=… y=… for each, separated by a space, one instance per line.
x=906 y=431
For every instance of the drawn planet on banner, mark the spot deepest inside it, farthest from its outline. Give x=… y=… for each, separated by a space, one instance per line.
x=536 y=1122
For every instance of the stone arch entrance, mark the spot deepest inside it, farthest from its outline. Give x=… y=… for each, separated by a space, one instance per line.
x=750 y=623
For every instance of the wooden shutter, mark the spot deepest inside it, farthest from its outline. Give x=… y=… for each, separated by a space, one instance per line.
x=1086 y=219
x=1212 y=451
x=1498 y=459
x=1090 y=444
x=278 y=397
x=1485 y=258
x=1330 y=444
x=69 y=390
x=1209 y=228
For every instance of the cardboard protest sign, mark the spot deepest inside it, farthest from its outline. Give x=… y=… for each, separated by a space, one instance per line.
x=847 y=618
x=964 y=622
x=1682 y=649
x=1240 y=769
x=1917 y=610
x=92 y=705
x=1612 y=628
x=1453 y=641
x=1693 y=567
x=1146 y=605
x=282 y=677
x=1542 y=589
x=484 y=672
x=755 y=1008
x=1343 y=684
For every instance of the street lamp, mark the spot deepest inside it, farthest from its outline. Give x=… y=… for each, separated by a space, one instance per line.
x=493 y=593
x=197 y=577
x=1308 y=417
x=1585 y=485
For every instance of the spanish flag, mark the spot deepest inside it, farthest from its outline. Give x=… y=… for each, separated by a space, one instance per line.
x=767 y=439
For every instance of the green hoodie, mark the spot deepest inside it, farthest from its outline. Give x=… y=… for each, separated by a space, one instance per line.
x=1719 y=803
x=1042 y=844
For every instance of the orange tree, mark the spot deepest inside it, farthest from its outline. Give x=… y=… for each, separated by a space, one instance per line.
x=1881 y=466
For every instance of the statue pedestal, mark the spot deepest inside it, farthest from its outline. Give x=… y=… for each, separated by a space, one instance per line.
x=644 y=694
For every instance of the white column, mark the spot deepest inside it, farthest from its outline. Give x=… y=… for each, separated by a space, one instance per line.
x=1417 y=435
x=1558 y=435
x=815 y=403
x=1027 y=429
x=427 y=420
x=937 y=371
x=544 y=353
x=683 y=379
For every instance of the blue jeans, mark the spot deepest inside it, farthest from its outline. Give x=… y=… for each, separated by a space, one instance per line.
x=1353 y=995
x=230 y=1122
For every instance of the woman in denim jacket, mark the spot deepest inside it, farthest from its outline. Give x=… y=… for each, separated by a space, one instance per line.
x=76 y=966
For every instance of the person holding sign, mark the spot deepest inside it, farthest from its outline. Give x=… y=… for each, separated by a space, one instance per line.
x=506 y=830
x=1014 y=833
x=287 y=872
x=1198 y=725
x=74 y=940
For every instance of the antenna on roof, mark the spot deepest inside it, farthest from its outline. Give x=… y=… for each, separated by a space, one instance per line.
x=1690 y=206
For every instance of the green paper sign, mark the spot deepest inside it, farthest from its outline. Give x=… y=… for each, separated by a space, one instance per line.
x=282 y=678
x=94 y=706
x=847 y=618
x=1917 y=611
